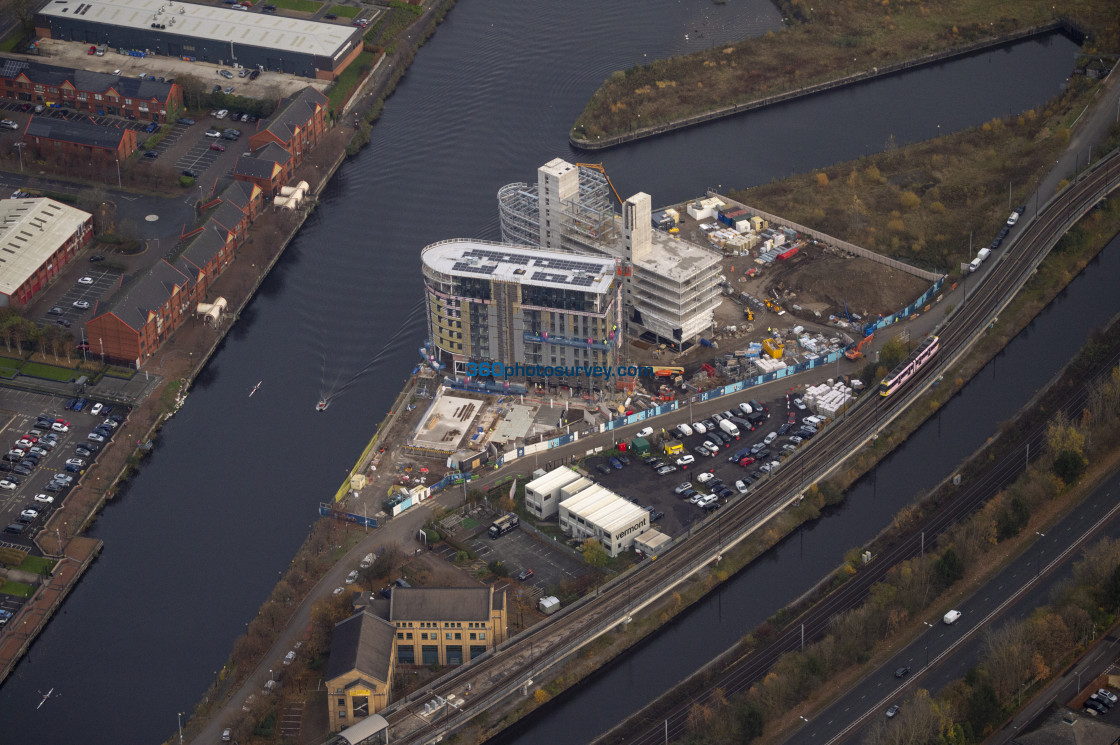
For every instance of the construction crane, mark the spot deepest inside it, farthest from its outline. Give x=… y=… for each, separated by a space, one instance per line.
x=599 y=167
x=857 y=353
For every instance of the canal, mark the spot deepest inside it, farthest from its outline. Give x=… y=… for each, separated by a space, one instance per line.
x=197 y=541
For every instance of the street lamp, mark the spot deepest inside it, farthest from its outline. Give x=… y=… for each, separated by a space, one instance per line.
x=1037 y=557
x=180 y=728
x=118 y=173
x=927 y=623
x=19 y=148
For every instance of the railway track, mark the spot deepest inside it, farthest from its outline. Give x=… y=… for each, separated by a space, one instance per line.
x=473 y=688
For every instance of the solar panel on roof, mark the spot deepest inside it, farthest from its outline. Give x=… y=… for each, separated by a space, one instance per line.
x=12 y=68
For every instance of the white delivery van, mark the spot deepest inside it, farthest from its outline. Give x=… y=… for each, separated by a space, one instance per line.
x=699 y=427
x=983 y=254
x=729 y=428
x=684 y=429
x=975 y=264
x=951 y=617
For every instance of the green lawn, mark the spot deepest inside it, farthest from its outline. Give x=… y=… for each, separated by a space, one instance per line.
x=306 y=6
x=120 y=372
x=9 y=368
x=16 y=588
x=37 y=564
x=49 y=372
x=348 y=80
x=345 y=11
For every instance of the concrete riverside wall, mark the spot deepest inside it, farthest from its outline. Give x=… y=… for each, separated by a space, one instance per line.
x=857 y=77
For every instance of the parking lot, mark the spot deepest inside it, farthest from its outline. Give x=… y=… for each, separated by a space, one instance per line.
x=641 y=484
x=34 y=490
x=17 y=108
x=517 y=551
x=200 y=156
x=79 y=302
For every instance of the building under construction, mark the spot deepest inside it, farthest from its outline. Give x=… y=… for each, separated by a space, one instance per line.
x=671 y=286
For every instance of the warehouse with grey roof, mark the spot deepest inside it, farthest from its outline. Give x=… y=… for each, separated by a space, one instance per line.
x=205 y=33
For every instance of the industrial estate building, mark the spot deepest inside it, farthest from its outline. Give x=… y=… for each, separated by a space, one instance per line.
x=597 y=512
x=38 y=237
x=503 y=303
x=416 y=626
x=543 y=495
x=79 y=143
x=205 y=33
x=94 y=92
x=671 y=286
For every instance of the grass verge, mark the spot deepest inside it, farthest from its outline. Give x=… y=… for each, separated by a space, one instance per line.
x=303 y=6
x=344 y=11
x=342 y=89
x=37 y=564
x=18 y=589
x=48 y=372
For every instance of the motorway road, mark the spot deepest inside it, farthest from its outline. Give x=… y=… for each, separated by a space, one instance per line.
x=945 y=653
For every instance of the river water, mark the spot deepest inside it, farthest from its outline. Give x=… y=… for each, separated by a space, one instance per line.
x=196 y=543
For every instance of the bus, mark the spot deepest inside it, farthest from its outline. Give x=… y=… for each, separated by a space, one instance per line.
x=906 y=370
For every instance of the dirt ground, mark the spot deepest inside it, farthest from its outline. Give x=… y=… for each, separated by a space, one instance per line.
x=76 y=54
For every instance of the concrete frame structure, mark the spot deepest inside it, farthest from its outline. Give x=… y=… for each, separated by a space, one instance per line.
x=672 y=286
x=495 y=302
x=38 y=237
x=542 y=496
x=597 y=512
x=206 y=33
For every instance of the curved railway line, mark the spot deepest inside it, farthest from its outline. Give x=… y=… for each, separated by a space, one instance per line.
x=473 y=688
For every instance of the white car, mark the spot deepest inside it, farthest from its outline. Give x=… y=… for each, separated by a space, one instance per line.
x=44 y=498
x=697 y=497
x=75 y=462
x=741 y=487
x=8 y=123
x=60 y=427
x=770 y=438
x=711 y=446
x=745 y=408
x=221 y=113
x=81 y=304
x=646 y=432
x=289 y=658
x=1105 y=693
x=5 y=484
x=707 y=501
x=93 y=436
x=85 y=281
x=700 y=428
x=799 y=404
x=213 y=134
x=96 y=409
x=338 y=591
x=1013 y=218
x=352 y=577
x=29 y=513
x=705 y=477
x=686 y=460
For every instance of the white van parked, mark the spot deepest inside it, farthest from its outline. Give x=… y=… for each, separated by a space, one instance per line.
x=699 y=427
x=684 y=429
x=975 y=264
x=983 y=254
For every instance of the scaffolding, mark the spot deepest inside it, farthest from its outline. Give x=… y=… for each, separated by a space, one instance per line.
x=590 y=216
x=592 y=213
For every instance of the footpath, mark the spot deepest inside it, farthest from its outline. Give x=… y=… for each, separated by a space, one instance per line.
x=33 y=616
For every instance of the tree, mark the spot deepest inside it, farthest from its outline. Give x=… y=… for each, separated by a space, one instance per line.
x=749 y=720
x=193 y=90
x=1112 y=589
x=983 y=707
x=594 y=553
x=894 y=351
x=1069 y=465
x=949 y=568
x=822 y=180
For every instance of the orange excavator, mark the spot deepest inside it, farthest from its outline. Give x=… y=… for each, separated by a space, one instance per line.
x=599 y=167
x=857 y=353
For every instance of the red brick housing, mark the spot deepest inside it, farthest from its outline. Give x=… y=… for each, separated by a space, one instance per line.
x=297 y=125
x=79 y=143
x=133 y=325
x=92 y=92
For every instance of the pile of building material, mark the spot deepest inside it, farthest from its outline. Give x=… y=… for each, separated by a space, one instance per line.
x=827 y=399
x=767 y=365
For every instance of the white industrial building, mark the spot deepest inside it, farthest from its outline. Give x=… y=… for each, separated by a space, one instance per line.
x=597 y=512
x=38 y=238
x=542 y=495
x=652 y=542
x=671 y=285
